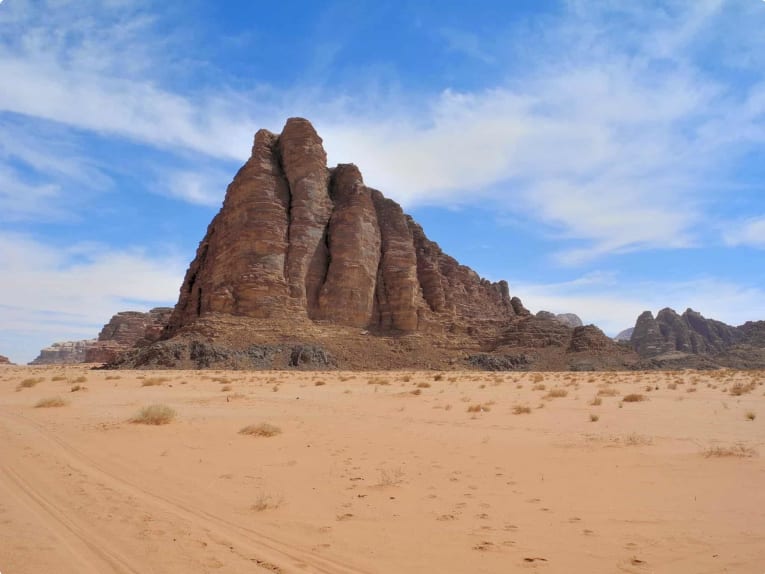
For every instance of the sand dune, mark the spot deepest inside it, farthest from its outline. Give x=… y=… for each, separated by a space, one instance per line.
x=382 y=472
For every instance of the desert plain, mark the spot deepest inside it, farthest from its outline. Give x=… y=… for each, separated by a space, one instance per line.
x=381 y=472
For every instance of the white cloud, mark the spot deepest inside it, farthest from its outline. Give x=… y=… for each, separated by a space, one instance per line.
x=750 y=233
x=55 y=292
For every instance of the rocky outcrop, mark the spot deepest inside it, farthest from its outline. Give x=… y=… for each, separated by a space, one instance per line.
x=305 y=266
x=64 y=353
x=625 y=336
x=691 y=340
x=568 y=319
x=296 y=239
x=5 y=360
x=124 y=331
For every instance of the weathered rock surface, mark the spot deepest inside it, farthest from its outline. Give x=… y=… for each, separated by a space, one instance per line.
x=63 y=353
x=123 y=331
x=296 y=239
x=315 y=266
x=568 y=319
x=692 y=341
x=625 y=336
x=5 y=360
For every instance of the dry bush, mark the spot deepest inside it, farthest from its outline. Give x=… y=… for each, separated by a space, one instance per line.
x=521 y=410
x=556 y=394
x=319 y=384
x=423 y=385
x=750 y=415
x=154 y=381
x=28 y=383
x=484 y=408
x=438 y=377
x=739 y=450
x=154 y=415
x=594 y=418
x=739 y=389
x=537 y=378
x=263 y=429
x=50 y=402
x=634 y=398
x=58 y=378
x=81 y=379
x=113 y=377
x=538 y=387
x=596 y=402
x=406 y=378
x=635 y=439
x=672 y=386
x=76 y=388
x=267 y=501
x=378 y=381
x=608 y=392
x=225 y=388
x=391 y=477
x=234 y=396
x=416 y=392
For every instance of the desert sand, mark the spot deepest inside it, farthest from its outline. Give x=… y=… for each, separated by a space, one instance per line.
x=381 y=472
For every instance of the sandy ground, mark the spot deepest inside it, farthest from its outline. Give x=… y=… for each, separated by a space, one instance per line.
x=382 y=472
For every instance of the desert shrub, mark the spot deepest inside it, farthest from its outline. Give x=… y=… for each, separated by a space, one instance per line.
x=594 y=418
x=633 y=398
x=154 y=415
x=28 y=383
x=521 y=410
x=76 y=388
x=423 y=385
x=50 y=402
x=596 y=402
x=739 y=450
x=263 y=429
x=154 y=381
x=556 y=393
x=750 y=415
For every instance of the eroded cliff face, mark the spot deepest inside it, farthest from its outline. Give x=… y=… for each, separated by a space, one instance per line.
x=123 y=331
x=295 y=239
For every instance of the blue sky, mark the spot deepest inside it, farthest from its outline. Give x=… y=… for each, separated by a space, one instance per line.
x=604 y=157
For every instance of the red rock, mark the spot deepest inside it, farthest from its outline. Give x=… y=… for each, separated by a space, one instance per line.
x=5 y=360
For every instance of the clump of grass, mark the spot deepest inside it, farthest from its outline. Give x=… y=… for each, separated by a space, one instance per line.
x=438 y=377
x=556 y=393
x=319 y=384
x=423 y=385
x=263 y=429
x=58 y=378
x=635 y=439
x=596 y=402
x=608 y=392
x=521 y=410
x=416 y=392
x=154 y=415
x=154 y=381
x=50 y=402
x=633 y=398
x=266 y=501
x=28 y=383
x=538 y=387
x=750 y=415
x=739 y=450
x=80 y=379
x=225 y=388
x=739 y=389
x=484 y=408
x=76 y=388
x=378 y=381
x=391 y=477
x=594 y=418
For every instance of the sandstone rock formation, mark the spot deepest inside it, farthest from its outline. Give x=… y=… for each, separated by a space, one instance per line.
x=307 y=266
x=568 y=319
x=693 y=341
x=5 y=360
x=63 y=353
x=296 y=239
x=123 y=331
x=625 y=336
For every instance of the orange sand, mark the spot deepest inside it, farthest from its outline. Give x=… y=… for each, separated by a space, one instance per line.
x=374 y=478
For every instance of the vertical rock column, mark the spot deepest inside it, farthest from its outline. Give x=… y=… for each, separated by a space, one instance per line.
x=305 y=165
